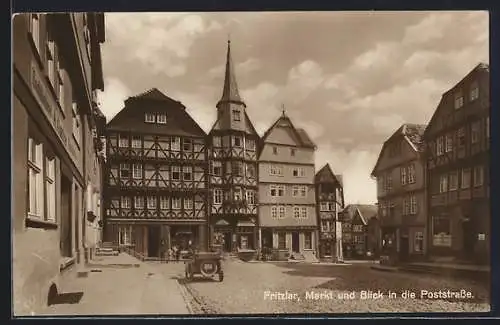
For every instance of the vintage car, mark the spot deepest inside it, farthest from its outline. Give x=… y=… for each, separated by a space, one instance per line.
x=206 y=264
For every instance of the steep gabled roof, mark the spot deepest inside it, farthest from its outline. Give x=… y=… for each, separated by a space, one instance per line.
x=131 y=117
x=153 y=94
x=326 y=175
x=479 y=67
x=230 y=92
x=301 y=136
x=413 y=133
x=364 y=211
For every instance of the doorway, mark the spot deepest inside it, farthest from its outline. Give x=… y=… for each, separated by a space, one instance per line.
x=295 y=242
x=404 y=248
x=66 y=224
x=154 y=241
x=267 y=238
x=227 y=241
x=469 y=238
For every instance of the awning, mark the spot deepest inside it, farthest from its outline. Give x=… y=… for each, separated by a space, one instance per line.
x=245 y=224
x=222 y=222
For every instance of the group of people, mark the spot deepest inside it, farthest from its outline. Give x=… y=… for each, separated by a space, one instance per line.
x=174 y=253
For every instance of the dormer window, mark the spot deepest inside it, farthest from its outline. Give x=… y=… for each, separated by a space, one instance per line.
x=161 y=118
x=474 y=91
x=149 y=118
x=459 y=100
x=275 y=150
x=236 y=115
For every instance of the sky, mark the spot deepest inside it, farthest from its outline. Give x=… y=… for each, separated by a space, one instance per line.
x=350 y=79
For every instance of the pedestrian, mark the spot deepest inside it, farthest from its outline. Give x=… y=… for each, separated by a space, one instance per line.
x=169 y=254
x=177 y=253
x=174 y=252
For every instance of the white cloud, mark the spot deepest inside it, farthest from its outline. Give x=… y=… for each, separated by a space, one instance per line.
x=248 y=66
x=432 y=27
x=160 y=41
x=199 y=107
x=262 y=104
x=111 y=100
x=241 y=68
x=355 y=167
x=380 y=56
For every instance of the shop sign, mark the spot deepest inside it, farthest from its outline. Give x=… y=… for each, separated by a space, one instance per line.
x=50 y=109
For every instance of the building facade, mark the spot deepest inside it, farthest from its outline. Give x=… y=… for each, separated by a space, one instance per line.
x=355 y=225
x=458 y=152
x=156 y=177
x=287 y=198
x=233 y=170
x=56 y=72
x=329 y=203
x=401 y=193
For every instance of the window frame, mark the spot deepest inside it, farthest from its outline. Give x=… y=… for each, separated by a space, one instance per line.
x=218 y=196
x=236 y=115
x=440 y=146
x=308 y=241
x=466 y=185
x=403 y=175
x=478 y=171
x=453 y=186
x=443 y=183
x=136 y=142
x=474 y=91
x=458 y=101
x=448 y=147
x=125 y=202
x=418 y=236
x=149 y=117
x=137 y=171
x=161 y=118
x=151 y=202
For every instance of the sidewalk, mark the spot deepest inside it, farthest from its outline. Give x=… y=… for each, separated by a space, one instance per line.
x=122 y=285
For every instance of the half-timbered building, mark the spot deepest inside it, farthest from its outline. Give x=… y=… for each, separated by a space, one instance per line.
x=329 y=202
x=400 y=174
x=287 y=199
x=156 y=186
x=357 y=226
x=458 y=152
x=233 y=169
x=57 y=70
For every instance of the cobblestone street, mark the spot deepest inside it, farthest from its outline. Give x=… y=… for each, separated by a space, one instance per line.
x=255 y=288
x=245 y=284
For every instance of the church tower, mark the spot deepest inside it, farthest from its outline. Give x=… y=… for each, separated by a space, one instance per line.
x=233 y=151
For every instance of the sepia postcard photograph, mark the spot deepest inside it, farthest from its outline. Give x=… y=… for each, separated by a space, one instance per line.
x=250 y=163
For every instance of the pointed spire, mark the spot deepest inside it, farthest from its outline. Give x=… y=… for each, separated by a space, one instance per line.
x=230 y=91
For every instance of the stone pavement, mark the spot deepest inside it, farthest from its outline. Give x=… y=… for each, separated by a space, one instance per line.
x=122 y=285
x=244 y=288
